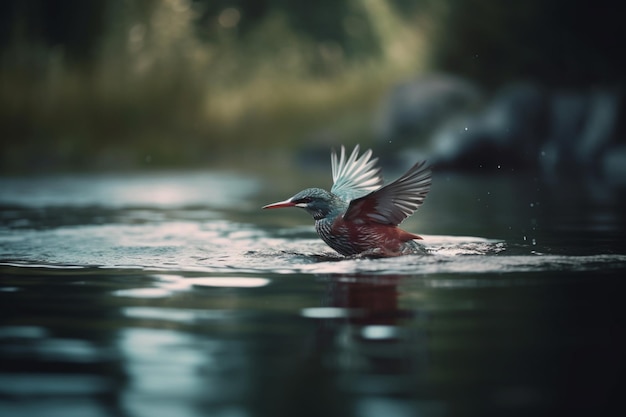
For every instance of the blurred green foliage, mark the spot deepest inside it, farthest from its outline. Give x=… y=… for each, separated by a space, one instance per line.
x=133 y=83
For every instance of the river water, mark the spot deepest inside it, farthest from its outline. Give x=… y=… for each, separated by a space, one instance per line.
x=173 y=294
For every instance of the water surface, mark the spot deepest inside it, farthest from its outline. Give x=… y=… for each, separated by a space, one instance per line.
x=172 y=293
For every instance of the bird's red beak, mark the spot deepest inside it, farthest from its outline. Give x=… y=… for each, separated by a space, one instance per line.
x=280 y=204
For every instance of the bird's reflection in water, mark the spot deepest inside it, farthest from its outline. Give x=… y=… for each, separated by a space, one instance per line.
x=375 y=346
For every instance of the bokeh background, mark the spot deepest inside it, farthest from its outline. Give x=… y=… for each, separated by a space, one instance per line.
x=140 y=139
x=475 y=84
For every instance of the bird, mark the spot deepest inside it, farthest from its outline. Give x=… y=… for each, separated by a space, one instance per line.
x=359 y=215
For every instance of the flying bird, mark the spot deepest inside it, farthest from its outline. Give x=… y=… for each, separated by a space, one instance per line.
x=360 y=216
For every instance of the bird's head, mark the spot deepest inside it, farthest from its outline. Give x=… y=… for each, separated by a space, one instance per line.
x=317 y=202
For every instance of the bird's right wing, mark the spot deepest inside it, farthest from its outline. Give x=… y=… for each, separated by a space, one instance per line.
x=355 y=176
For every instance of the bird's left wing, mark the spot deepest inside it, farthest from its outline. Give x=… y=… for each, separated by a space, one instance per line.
x=394 y=202
x=355 y=176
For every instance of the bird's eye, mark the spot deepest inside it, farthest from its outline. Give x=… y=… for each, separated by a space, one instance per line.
x=304 y=200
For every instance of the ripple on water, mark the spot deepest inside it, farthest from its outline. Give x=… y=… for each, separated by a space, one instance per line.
x=224 y=248
x=166 y=285
x=44 y=384
x=330 y=312
x=448 y=254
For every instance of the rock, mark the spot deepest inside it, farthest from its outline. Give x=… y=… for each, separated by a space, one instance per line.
x=506 y=133
x=524 y=127
x=415 y=108
x=583 y=128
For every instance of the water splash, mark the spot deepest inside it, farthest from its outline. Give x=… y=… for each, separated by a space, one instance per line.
x=164 y=223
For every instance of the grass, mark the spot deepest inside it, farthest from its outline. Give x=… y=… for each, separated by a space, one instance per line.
x=156 y=95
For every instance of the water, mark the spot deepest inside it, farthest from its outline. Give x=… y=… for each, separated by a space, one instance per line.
x=173 y=294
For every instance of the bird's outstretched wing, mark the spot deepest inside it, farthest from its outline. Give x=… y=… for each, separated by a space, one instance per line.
x=355 y=176
x=394 y=202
